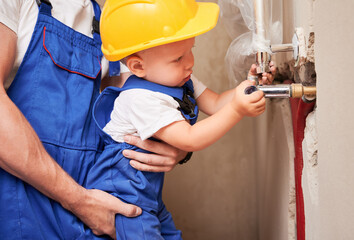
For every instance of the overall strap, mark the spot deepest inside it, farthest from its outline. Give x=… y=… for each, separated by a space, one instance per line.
x=136 y=82
x=188 y=104
x=96 y=21
x=114 y=67
x=183 y=95
x=45 y=8
x=105 y=102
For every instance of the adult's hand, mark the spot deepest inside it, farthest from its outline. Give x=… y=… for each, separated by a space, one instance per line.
x=163 y=158
x=97 y=209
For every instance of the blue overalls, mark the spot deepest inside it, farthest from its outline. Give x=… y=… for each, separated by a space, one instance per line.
x=113 y=173
x=55 y=88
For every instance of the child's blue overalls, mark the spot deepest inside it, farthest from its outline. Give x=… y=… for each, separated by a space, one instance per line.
x=112 y=172
x=55 y=88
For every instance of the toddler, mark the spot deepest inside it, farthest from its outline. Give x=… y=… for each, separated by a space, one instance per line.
x=160 y=101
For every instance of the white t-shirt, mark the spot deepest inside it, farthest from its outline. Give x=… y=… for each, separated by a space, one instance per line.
x=142 y=112
x=21 y=16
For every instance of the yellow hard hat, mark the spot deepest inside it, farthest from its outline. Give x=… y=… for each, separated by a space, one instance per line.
x=129 y=26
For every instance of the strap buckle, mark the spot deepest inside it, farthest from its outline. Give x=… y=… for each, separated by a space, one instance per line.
x=186 y=105
x=95 y=26
x=44 y=1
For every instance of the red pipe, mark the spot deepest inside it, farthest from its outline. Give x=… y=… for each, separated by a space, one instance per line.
x=299 y=110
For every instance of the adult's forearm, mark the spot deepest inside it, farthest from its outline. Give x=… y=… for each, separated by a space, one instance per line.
x=23 y=155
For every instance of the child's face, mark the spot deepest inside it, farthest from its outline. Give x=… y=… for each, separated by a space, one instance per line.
x=170 y=64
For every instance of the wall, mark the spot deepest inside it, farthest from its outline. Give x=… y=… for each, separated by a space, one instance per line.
x=214 y=196
x=239 y=188
x=328 y=165
x=328 y=178
x=333 y=52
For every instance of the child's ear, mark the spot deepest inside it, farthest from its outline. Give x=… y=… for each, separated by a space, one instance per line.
x=136 y=65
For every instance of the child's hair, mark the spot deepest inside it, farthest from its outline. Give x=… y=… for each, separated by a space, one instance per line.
x=124 y=60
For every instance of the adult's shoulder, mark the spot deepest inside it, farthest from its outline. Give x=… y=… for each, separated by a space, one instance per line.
x=10 y=13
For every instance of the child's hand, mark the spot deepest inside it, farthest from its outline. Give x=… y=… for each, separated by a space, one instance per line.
x=266 y=78
x=248 y=104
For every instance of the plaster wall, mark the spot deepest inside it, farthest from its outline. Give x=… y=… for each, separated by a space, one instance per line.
x=327 y=181
x=333 y=52
x=239 y=188
x=214 y=196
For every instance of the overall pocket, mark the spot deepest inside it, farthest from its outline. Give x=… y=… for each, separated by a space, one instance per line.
x=67 y=78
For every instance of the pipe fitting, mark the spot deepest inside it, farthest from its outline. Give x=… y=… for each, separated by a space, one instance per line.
x=299 y=91
x=262 y=61
x=276 y=91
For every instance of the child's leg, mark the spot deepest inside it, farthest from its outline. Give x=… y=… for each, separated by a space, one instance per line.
x=144 y=227
x=147 y=226
x=168 y=228
x=112 y=173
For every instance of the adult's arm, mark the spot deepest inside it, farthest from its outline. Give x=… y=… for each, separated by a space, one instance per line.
x=23 y=156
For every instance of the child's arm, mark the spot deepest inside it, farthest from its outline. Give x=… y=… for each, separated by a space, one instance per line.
x=206 y=132
x=209 y=102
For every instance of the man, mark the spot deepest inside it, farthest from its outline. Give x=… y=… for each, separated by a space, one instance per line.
x=48 y=139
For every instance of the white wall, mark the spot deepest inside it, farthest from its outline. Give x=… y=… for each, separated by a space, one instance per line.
x=333 y=215
x=333 y=51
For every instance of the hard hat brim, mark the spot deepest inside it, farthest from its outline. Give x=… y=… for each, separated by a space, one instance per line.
x=204 y=20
